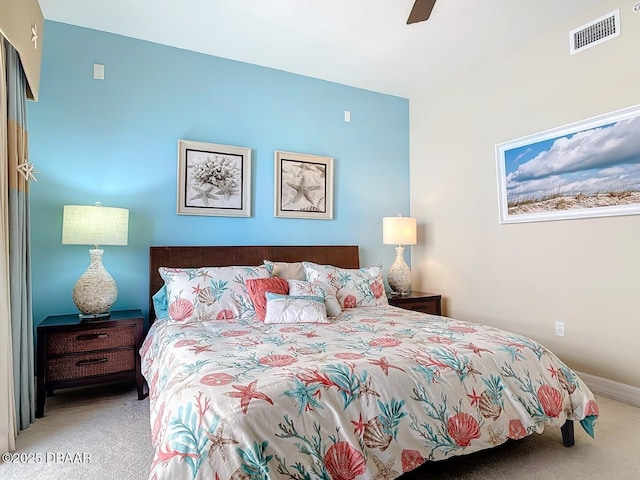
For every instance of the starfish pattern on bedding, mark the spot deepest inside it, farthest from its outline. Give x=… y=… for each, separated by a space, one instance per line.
x=474 y=397
x=310 y=334
x=366 y=390
x=196 y=349
x=384 y=365
x=495 y=437
x=385 y=472
x=305 y=396
x=246 y=394
x=204 y=193
x=359 y=425
x=218 y=442
x=303 y=190
x=477 y=350
x=205 y=274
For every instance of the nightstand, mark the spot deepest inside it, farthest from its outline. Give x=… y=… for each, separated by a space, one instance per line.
x=419 y=301
x=74 y=352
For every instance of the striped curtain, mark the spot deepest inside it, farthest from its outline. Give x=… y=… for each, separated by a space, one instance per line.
x=15 y=268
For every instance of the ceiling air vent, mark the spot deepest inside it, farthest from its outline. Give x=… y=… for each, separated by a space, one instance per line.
x=593 y=33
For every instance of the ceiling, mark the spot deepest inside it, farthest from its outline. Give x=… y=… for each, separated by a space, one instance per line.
x=362 y=43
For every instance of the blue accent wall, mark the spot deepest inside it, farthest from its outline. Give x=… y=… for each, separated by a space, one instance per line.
x=115 y=141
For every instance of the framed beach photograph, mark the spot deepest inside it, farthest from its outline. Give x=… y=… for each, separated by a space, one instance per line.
x=589 y=168
x=303 y=186
x=213 y=179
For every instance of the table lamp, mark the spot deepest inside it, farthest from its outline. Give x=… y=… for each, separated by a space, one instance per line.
x=399 y=231
x=95 y=291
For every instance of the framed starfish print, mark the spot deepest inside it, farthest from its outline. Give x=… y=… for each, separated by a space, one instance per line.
x=213 y=179
x=303 y=186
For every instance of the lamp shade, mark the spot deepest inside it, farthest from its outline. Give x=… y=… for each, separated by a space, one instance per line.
x=94 y=225
x=399 y=231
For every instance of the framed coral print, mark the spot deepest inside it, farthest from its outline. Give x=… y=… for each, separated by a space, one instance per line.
x=303 y=186
x=586 y=169
x=213 y=179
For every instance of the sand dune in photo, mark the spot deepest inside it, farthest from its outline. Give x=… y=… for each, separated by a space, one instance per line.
x=570 y=202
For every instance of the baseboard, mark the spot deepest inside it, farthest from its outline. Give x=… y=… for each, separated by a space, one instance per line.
x=608 y=388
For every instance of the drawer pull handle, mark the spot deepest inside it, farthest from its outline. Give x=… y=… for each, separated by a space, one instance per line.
x=92 y=336
x=81 y=363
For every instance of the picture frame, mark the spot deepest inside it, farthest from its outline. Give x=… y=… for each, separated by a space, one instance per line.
x=303 y=186
x=213 y=179
x=589 y=168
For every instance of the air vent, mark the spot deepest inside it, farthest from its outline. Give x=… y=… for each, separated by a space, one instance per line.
x=594 y=33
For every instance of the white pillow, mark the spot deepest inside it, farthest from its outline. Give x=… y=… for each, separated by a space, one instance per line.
x=295 y=309
x=318 y=289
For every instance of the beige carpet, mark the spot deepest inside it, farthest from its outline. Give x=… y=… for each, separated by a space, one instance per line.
x=108 y=423
x=108 y=429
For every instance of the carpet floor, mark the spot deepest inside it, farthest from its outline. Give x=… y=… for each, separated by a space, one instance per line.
x=103 y=433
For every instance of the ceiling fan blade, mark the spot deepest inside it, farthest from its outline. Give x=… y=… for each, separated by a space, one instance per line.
x=421 y=11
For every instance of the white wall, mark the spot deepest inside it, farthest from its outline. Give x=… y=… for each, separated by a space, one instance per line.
x=524 y=277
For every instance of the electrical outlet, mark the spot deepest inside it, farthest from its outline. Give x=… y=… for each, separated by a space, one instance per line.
x=560 y=329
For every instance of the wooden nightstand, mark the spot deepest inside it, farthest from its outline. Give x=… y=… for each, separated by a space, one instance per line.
x=419 y=301
x=74 y=352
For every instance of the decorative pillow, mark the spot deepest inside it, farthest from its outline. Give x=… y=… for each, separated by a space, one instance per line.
x=160 y=303
x=293 y=270
x=358 y=287
x=318 y=289
x=257 y=287
x=209 y=293
x=295 y=309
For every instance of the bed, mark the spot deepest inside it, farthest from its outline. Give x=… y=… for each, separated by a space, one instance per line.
x=373 y=394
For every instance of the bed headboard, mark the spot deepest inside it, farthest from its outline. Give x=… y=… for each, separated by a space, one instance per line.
x=345 y=256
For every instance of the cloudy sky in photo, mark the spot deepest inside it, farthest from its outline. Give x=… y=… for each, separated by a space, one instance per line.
x=596 y=160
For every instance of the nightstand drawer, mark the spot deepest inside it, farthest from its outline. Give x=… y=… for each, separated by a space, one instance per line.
x=90 y=365
x=423 y=302
x=91 y=339
x=428 y=306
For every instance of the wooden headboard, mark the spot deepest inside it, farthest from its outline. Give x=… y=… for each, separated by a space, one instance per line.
x=345 y=256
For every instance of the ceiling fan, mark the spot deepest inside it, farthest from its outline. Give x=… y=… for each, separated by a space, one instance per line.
x=421 y=11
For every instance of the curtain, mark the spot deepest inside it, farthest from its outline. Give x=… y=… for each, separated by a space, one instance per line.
x=15 y=224
x=20 y=241
x=7 y=401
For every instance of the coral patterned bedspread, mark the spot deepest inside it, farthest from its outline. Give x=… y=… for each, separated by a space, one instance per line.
x=371 y=395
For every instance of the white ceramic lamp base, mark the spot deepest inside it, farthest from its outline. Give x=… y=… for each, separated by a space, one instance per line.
x=95 y=291
x=399 y=276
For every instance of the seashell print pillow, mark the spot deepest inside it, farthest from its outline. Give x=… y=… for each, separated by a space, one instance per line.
x=355 y=287
x=295 y=309
x=319 y=289
x=209 y=293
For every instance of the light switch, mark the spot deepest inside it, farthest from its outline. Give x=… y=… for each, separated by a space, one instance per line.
x=347 y=116
x=98 y=71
